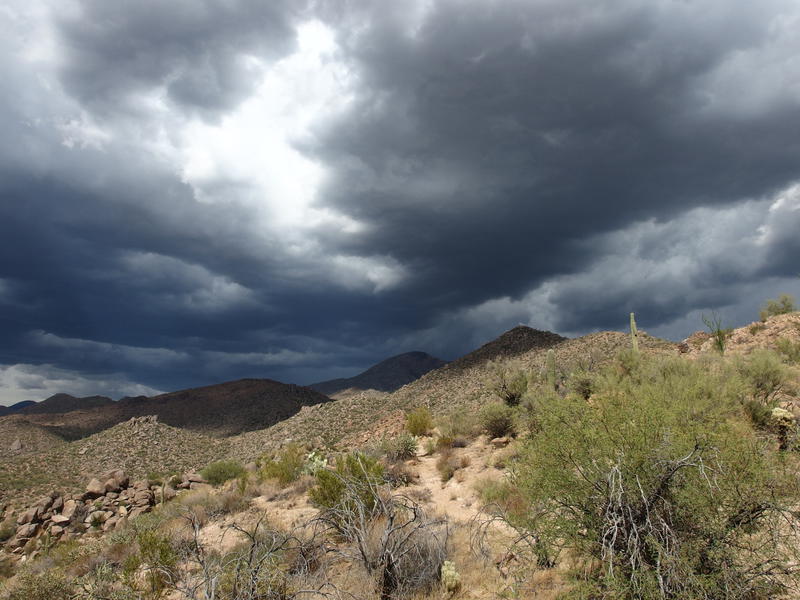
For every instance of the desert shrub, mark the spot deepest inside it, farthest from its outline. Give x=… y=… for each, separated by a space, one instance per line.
x=764 y=374
x=397 y=544
x=446 y=464
x=399 y=474
x=7 y=529
x=401 y=447
x=497 y=420
x=47 y=585
x=755 y=328
x=507 y=382
x=460 y=425
x=582 y=383
x=719 y=334
x=351 y=469
x=782 y=305
x=662 y=482
x=221 y=471
x=789 y=350
x=287 y=466
x=419 y=421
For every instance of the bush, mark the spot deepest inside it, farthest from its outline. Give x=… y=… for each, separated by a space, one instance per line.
x=332 y=485
x=508 y=382
x=48 y=585
x=497 y=420
x=719 y=334
x=458 y=425
x=764 y=374
x=221 y=471
x=419 y=421
x=664 y=484
x=783 y=305
x=789 y=350
x=287 y=467
x=402 y=447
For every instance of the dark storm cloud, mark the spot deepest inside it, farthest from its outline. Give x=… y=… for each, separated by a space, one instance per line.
x=197 y=52
x=553 y=163
x=487 y=144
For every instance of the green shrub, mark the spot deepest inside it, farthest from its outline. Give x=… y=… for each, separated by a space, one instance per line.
x=458 y=425
x=508 y=382
x=764 y=374
x=402 y=447
x=221 y=471
x=663 y=484
x=47 y=585
x=582 y=383
x=286 y=467
x=497 y=420
x=783 y=305
x=358 y=469
x=789 y=350
x=719 y=334
x=419 y=421
x=7 y=529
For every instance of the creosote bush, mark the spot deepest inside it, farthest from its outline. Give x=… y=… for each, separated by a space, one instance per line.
x=419 y=421
x=784 y=304
x=664 y=485
x=221 y=471
x=497 y=420
x=287 y=466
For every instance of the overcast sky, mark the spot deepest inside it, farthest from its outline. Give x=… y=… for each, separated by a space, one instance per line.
x=195 y=191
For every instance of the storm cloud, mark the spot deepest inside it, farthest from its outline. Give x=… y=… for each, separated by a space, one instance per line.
x=201 y=191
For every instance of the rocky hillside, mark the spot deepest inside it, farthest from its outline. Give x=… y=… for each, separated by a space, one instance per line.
x=219 y=410
x=139 y=446
x=387 y=376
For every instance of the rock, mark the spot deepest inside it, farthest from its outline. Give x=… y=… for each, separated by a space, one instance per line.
x=56 y=530
x=119 y=476
x=60 y=519
x=16 y=445
x=143 y=497
x=123 y=510
x=141 y=485
x=27 y=531
x=111 y=524
x=70 y=506
x=32 y=515
x=201 y=486
x=139 y=510
x=194 y=478
x=167 y=494
x=95 y=488
x=251 y=467
x=500 y=442
x=111 y=485
x=98 y=517
x=58 y=504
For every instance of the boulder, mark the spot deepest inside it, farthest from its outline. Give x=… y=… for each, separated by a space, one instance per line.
x=143 y=497
x=27 y=531
x=58 y=504
x=194 y=478
x=95 y=488
x=500 y=442
x=32 y=515
x=111 y=486
x=60 y=519
x=119 y=476
x=16 y=445
x=70 y=506
x=56 y=530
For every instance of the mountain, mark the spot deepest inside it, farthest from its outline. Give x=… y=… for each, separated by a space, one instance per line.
x=387 y=376
x=221 y=410
x=61 y=403
x=7 y=410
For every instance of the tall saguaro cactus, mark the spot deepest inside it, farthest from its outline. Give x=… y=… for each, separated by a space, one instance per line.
x=634 y=335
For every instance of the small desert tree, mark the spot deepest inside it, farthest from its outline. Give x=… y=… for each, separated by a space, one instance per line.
x=662 y=481
x=782 y=305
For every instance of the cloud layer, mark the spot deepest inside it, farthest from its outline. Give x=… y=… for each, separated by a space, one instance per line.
x=209 y=190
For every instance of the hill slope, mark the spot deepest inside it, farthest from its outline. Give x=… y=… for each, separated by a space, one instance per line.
x=386 y=376
x=220 y=410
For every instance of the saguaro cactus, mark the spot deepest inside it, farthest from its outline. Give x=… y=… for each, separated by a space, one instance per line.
x=634 y=335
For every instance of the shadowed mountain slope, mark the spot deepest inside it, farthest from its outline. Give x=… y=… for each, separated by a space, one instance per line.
x=387 y=376
x=220 y=410
x=62 y=403
x=7 y=410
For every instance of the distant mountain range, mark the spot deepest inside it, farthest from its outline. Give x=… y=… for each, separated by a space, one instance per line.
x=387 y=376
x=7 y=410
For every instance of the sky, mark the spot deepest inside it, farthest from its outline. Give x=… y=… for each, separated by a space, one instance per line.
x=196 y=191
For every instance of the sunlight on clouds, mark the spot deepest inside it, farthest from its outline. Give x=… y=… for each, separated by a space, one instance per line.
x=36 y=382
x=377 y=273
x=255 y=146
